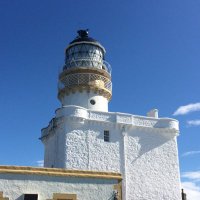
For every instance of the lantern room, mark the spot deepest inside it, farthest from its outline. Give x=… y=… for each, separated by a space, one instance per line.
x=85 y=51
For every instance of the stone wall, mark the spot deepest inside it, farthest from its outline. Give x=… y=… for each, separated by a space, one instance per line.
x=17 y=181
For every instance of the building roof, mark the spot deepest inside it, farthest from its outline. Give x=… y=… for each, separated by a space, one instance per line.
x=59 y=172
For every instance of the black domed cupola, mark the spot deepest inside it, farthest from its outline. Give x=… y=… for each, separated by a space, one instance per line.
x=83 y=35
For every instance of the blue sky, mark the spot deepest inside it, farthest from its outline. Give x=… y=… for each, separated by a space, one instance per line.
x=152 y=46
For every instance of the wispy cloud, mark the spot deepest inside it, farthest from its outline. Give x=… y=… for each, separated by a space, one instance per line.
x=194 y=176
x=183 y=110
x=190 y=153
x=40 y=163
x=191 y=185
x=194 y=122
x=192 y=190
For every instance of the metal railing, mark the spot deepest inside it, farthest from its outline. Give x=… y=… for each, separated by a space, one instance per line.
x=87 y=62
x=85 y=79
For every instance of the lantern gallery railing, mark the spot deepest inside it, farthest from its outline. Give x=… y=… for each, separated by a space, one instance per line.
x=85 y=79
x=88 y=62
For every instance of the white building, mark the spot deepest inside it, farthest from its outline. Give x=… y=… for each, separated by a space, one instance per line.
x=95 y=148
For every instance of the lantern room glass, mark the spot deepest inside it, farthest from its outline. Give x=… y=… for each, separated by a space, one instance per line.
x=84 y=55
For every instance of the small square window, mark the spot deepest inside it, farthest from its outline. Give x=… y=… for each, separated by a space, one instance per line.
x=106 y=136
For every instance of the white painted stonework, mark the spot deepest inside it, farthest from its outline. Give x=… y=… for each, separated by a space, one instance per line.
x=83 y=99
x=14 y=186
x=142 y=149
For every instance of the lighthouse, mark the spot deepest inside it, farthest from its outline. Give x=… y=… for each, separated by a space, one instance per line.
x=84 y=135
x=86 y=77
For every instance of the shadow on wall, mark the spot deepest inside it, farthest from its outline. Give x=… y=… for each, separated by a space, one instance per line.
x=20 y=197
x=145 y=142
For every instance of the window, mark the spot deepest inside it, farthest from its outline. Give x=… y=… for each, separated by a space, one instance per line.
x=30 y=196
x=106 y=136
x=92 y=101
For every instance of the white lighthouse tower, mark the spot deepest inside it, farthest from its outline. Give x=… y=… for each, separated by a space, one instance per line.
x=83 y=135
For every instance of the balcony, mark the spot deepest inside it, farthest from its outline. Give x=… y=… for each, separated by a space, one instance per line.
x=88 y=81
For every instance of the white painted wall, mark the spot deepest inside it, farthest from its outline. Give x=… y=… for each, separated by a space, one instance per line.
x=87 y=150
x=15 y=185
x=83 y=99
x=55 y=149
x=147 y=158
x=152 y=163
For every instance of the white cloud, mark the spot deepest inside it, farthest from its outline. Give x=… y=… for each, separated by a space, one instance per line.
x=194 y=122
x=183 y=110
x=189 y=153
x=191 y=186
x=192 y=190
x=194 y=176
x=40 y=163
